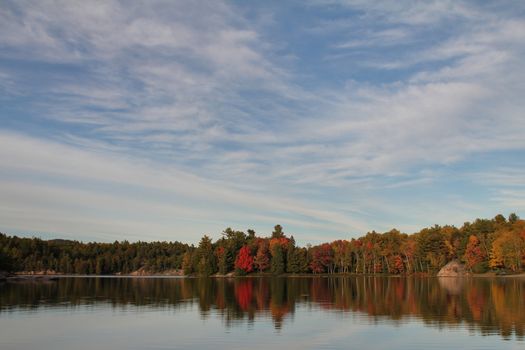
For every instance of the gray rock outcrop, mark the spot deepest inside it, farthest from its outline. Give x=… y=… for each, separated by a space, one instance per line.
x=453 y=269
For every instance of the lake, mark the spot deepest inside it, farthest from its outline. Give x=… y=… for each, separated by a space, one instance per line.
x=261 y=313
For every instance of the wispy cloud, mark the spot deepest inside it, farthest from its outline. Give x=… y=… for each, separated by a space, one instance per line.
x=323 y=124
x=43 y=177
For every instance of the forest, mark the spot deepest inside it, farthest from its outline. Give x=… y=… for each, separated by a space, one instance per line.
x=483 y=245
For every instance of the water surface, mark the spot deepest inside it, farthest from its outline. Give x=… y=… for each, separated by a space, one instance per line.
x=257 y=313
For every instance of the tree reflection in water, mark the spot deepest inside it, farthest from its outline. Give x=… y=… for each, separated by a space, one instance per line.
x=488 y=306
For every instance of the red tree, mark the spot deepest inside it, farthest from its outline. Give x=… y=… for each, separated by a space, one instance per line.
x=398 y=266
x=473 y=254
x=244 y=260
x=322 y=259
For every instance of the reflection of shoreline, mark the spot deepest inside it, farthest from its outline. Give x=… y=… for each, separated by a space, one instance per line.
x=494 y=275
x=489 y=305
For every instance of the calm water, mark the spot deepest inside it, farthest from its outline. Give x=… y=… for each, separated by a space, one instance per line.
x=257 y=313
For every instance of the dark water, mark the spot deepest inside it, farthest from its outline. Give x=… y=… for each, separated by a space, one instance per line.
x=262 y=313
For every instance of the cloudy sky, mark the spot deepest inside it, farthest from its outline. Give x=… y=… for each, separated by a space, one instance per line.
x=165 y=120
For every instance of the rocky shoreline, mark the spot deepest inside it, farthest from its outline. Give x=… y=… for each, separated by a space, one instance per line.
x=454 y=269
x=144 y=272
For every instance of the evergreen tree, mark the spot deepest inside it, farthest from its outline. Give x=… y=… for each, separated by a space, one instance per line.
x=233 y=241
x=222 y=264
x=292 y=261
x=187 y=263
x=277 y=232
x=205 y=259
x=5 y=262
x=302 y=259
x=277 y=263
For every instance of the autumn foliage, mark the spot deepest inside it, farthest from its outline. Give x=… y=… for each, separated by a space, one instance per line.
x=473 y=254
x=496 y=244
x=262 y=259
x=243 y=294
x=244 y=260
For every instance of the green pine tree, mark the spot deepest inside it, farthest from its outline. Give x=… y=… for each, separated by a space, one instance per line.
x=204 y=257
x=277 y=264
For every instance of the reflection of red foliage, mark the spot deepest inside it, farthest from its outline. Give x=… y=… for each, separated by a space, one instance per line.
x=262 y=295
x=476 y=302
x=319 y=293
x=279 y=311
x=243 y=294
x=219 y=300
x=371 y=307
x=399 y=288
x=244 y=260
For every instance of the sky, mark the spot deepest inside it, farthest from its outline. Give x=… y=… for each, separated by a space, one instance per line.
x=167 y=120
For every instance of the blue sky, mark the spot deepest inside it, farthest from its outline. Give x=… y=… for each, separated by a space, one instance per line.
x=166 y=120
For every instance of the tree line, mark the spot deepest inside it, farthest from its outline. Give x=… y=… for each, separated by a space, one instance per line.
x=73 y=257
x=496 y=244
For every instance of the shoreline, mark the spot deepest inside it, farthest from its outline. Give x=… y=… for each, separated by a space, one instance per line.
x=19 y=277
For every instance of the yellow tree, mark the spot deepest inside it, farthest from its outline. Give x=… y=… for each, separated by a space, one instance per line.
x=507 y=250
x=496 y=256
